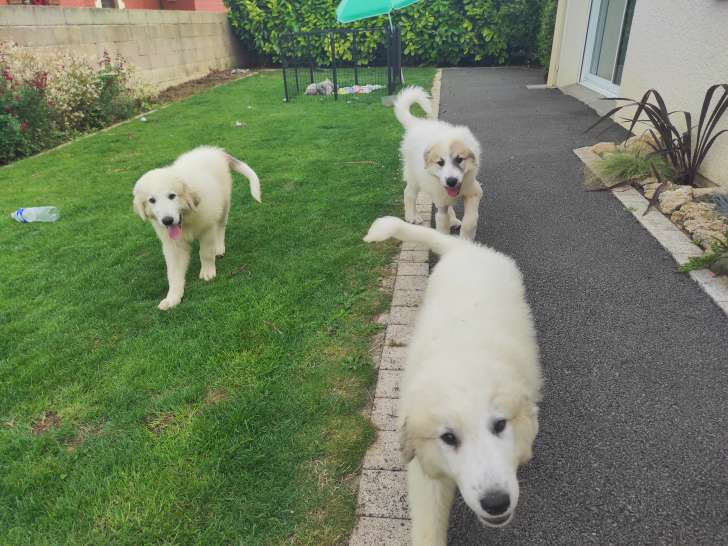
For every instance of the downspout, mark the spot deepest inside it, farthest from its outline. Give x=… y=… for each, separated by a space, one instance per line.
x=556 y=44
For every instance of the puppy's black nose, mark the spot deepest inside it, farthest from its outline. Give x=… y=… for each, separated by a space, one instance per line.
x=452 y=181
x=495 y=502
x=167 y=220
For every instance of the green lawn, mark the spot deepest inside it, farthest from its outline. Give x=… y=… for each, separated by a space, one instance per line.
x=233 y=418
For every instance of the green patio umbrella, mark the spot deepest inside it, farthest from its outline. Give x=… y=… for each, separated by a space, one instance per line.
x=353 y=10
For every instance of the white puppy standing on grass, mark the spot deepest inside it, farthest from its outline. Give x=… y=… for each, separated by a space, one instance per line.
x=186 y=201
x=440 y=159
x=471 y=386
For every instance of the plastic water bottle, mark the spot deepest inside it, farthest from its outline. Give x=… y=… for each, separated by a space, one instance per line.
x=36 y=214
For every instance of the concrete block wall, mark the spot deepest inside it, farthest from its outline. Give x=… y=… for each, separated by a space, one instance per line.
x=166 y=47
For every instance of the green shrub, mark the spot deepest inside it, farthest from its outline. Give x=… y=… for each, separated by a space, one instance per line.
x=546 y=32
x=627 y=166
x=433 y=31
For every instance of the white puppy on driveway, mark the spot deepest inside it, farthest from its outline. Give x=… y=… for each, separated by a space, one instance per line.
x=440 y=159
x=472 y=382
x=187 y=201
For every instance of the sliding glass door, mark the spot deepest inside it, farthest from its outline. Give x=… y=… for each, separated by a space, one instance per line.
x=606 y=45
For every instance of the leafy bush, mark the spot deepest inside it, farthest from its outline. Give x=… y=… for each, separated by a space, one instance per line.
x=628 y=166
x=546 y=32
x=45 y=101
x=433 y=32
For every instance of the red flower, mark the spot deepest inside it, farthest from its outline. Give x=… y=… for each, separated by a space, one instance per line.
x=7 y=75
x=24 y=126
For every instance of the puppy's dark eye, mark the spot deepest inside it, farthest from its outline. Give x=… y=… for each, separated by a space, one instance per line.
x=458 y=160
x=171 y=196
x=499 y=426
x=449 y=438
x=441 y=162
x=152 y=200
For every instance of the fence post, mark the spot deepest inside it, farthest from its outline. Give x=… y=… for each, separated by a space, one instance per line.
x=310 y=57
x=283 y=64
x=333 y=64
x=390 y=86
x=354 y=56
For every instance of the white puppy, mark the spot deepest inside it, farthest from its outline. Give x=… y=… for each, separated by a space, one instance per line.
x=469 y=394
x=440 y=159
x=187 y=201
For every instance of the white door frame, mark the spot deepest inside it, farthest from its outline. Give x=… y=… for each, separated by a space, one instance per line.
x=596 y=83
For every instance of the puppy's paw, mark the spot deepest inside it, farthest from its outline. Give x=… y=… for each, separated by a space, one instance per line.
x=455 y=223
x=168 y=303
x=382 y=229
x=416 y=219
x=208 y=273
x=220 y=251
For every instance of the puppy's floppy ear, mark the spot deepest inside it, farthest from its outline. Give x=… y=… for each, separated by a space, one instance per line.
x=525 y=428
x=459 y=148
x=406 y=443
x=190 y=198
x=140 y=205
x=432 y=155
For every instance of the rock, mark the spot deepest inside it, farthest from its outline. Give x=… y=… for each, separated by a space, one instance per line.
x=645 y=181
x=650 y=188
x=706 y=194
x=707 y=238
x=637 y=145
x=720 y=265
x=673 y=199
x=693 y=210
x=604 y=148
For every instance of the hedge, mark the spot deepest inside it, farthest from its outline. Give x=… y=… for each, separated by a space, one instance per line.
x=434 y=32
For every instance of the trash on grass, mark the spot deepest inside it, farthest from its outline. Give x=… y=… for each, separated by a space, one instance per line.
x=35 y=214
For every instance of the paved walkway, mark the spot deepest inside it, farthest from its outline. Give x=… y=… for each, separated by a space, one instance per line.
x=633 y=447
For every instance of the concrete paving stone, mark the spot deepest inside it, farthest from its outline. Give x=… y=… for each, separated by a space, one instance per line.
x=384 y=413
x=393 y=358
x=413 y=246
x=398 y=335
x=407 y=298
x=388 y=384
x=401 y=315
x=381 y=532
x=422 y=256
x=411 y=282
x=424 y=209
x=383 y=494
x=413 y=268
x=384 y=454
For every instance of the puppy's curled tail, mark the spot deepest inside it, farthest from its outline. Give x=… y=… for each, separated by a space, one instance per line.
x=404 y=101
x=389 y=227
x=247 y=172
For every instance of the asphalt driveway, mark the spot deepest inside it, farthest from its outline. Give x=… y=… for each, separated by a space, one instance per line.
x=633 y=447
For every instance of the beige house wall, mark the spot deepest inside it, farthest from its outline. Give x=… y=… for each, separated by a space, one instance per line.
x=676 y=46
x=165 y=47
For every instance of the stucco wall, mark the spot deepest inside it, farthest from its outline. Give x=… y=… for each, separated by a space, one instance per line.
x=166 y=47
x=680 y=48
x=676 y=46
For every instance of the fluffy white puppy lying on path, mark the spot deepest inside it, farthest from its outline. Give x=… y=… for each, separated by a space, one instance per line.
x=469 y=394
x=186 y=201
x=440 y=159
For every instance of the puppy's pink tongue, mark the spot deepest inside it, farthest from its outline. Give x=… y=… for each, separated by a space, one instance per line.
x=452 y=192
x=174 y=232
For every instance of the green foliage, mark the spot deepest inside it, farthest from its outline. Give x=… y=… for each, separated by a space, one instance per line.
x=627 y=166
x=546 y=32
x=433 y=31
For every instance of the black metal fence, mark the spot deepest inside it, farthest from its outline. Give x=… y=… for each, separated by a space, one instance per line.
x=341 y=61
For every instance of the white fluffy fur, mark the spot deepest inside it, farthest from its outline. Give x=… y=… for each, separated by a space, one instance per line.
x=473 y=360
x=427 y=142
x=194 y=194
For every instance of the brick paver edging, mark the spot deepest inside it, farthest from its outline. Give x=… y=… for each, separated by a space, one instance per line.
x=382 y=514
x=679 y=245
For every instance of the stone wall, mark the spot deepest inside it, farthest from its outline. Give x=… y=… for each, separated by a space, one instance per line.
x=166 y=47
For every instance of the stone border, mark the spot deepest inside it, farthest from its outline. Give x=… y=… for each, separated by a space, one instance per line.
x=382 y=512
x=679 y=245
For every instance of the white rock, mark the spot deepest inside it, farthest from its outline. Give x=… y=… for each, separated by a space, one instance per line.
x=604 y=148
x=673 y=199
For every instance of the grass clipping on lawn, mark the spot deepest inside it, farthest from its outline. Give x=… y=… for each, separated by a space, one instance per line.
x=234 y=418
